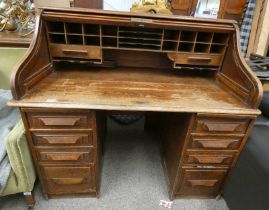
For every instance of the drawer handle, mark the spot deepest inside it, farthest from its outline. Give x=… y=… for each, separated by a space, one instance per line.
x=68 y=156
x=220 y=126
x=62 y=139
x=70 y=121
x=67 y=181
x=204 y=183
x=72 y=52
x=201 y=59
x=208 y=159
x=220 y=144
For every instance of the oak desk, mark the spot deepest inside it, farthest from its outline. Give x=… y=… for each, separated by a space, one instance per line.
x=186 y=75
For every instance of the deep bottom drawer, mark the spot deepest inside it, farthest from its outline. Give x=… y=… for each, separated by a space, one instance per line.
x=62 y=180
x=201 y=182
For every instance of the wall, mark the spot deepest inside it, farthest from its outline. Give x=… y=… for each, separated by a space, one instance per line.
x=8 y=58
x=118 y=5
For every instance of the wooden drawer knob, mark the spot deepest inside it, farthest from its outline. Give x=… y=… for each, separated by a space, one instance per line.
x=220 y=144
x=68 y=181
x=204 y=183
x=220 y=126
x=62 y=139
x=70 y=121
x=210 y=160
x=68 y=156
x=76 y=52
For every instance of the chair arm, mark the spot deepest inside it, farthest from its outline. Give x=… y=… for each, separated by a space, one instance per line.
x=20 y=158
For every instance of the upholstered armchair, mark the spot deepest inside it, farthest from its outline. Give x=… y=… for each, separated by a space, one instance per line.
x=22 y=175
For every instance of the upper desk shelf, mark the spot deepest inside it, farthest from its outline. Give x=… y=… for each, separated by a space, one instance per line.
x=132 y=49
x=212 y=45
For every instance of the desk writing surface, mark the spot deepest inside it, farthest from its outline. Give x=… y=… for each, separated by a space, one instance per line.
x=132 y=89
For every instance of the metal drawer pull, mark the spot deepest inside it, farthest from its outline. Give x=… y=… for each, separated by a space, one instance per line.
x=67 y=51
x=205 y=183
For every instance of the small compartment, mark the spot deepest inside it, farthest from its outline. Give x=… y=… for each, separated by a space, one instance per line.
x=171 y=35
x=109 y=42
x=57 y=38
x=91 y=29
x=217 y=48
x=75 y=28
x=92 y=40
x=55 y=27
x=75 y=39
x=185 y=46
x=140 y=32
x=109 y=30
x=169 y=45
x=204 y=37
x=139 y=45
x=187 y=36
x=220 y=38
x=203 y=48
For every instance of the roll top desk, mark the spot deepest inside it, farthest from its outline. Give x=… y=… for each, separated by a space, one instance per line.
x=185 y=74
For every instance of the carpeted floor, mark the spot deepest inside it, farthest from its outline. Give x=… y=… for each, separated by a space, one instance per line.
x=132 y=178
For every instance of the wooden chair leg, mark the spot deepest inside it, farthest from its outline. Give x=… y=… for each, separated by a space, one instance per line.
x=29 y=198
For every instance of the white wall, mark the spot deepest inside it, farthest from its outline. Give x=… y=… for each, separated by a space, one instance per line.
x=118 y=5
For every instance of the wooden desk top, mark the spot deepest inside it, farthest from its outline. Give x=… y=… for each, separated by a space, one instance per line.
x=132 y=89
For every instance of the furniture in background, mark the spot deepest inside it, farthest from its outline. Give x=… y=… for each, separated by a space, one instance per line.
x=229 y=9
x=248 y=186
x=185 y=74
x=22 y=176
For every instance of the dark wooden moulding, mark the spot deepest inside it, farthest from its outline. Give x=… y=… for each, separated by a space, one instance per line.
x=185 y=74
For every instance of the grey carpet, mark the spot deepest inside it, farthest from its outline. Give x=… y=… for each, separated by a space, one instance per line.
x=132 y=178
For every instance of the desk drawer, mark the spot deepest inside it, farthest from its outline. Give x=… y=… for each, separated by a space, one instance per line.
x=198 y=59
x=63 y=139
x=201 y=183
x=220 y=125
x=66 y=155
x=62 y=121
x=209 y=158
x=219 y=142
x=69 y=180
x=76 y=51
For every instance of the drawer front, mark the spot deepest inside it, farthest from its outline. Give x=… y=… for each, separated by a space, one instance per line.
x=64 y=139
x=198 y=59
x=201 y=183
x=51 y=120
x=209 y=158
x=69 y=180
x=66 y=155
x=76 y=51
x=215 y=142
x=220 y=125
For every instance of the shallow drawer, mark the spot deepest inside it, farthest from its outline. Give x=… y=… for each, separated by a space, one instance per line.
x=201 y=183
x=215 y=142
x=63 y=120
x=63 y=139
x=198 y=59
x=209 y=158
x=76 y=51
x=69 y=180
x=220 y=125
x=66 y=155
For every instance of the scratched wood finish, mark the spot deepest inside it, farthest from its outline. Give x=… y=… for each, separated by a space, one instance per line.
x=185 y=74
x=128 y=89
